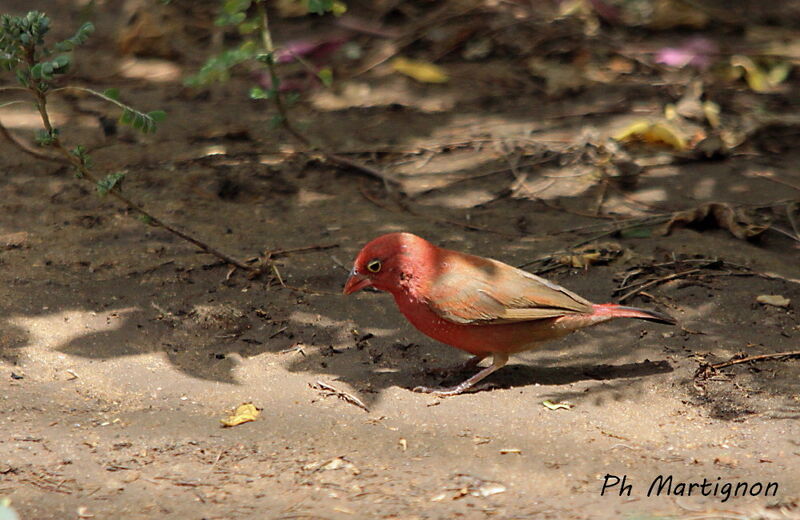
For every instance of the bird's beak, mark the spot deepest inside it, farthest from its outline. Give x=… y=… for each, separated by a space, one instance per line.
x=356 y=282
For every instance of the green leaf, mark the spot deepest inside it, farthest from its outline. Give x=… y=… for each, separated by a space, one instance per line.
x=61 y=61
x=217 y=67
x=45 y=138
x=235 y=6
x=275 y=121
x=157 y=115
x=36 y=71
x=258 y=93
x=112 y=93
x=248 y=27
x=236 y=19
x=267 y=58
x=139 y=122
x=320 y=6
x=325 y=75
x=146 y=219
x=79 y=38
x=292 y=97
x=109 y=182
x=83 y=156
x=127 y=117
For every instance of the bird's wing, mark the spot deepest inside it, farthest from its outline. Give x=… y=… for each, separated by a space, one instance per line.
x=474 y=290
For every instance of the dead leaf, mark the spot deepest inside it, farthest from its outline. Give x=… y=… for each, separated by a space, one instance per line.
x=690 y=105
x=422 y=71
x=581 y=261
x=776 y=300
x=711 y=111
x=291 y=8
x=559 y=78
x=669 y=14
x=150 y=30
x=550 y=405
x=505 y=451
x=244 y=413
x=591 y=254
x=14 y=240
x=762 y=78
x=736 y=220
x=713 y=146
x=340 y=463
x=726 y=461
x=648 y=132
x=469 y=485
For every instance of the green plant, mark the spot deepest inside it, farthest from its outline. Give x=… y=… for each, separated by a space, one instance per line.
x=38 y=67
x=251 y=19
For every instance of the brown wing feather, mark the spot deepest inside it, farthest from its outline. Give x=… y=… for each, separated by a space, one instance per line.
x=475 y=290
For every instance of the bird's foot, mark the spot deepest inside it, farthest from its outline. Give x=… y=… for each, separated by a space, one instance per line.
x=499 y=360
x=447 y=392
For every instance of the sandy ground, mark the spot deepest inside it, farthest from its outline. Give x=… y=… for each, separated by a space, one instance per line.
x=121 y=348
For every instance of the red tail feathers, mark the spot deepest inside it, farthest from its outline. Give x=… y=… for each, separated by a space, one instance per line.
x=619 y=311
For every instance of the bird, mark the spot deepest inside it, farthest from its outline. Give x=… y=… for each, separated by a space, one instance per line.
x=479 y=305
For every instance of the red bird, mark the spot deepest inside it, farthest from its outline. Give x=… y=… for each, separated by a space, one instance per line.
x=476 y=304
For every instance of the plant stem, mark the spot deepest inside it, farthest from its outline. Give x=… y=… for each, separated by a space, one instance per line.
x=25 y=148
x=283 y=113
x=70 y=159
x=266 y=41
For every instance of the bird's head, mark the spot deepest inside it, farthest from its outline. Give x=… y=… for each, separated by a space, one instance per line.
x=389 y=263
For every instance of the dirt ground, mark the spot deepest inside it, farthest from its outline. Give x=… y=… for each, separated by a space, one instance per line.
x=122 y=347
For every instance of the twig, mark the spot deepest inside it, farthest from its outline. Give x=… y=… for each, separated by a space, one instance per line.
x=283 y=252
x=70 y=159
x=25 y=148
x=790 y=216
x=791 y=353
x=266 y=41
x=771 y=177
x=794 y=237
x=324 y=387
x=658 y=281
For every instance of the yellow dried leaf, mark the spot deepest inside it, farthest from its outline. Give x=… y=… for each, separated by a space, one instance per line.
x=581 y=261
x=244 y=413
x=776 y=300
x=291 y=8
x=670 y=112
x=761 y=79
x=778 y=73
x=506 y=451
x=550 y=405
x=338 y=8
x=652 y=133
x=711 y=111
x=422 y=71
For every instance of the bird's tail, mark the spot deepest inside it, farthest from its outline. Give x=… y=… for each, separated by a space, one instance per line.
x=612 y=310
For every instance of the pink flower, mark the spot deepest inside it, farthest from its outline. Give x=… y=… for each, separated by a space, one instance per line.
x=697 y=52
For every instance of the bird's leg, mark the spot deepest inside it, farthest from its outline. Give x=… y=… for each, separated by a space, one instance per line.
x=470 y=364
x=499 y=360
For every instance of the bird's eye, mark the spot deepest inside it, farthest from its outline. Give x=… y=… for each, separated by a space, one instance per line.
x=374 y=266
